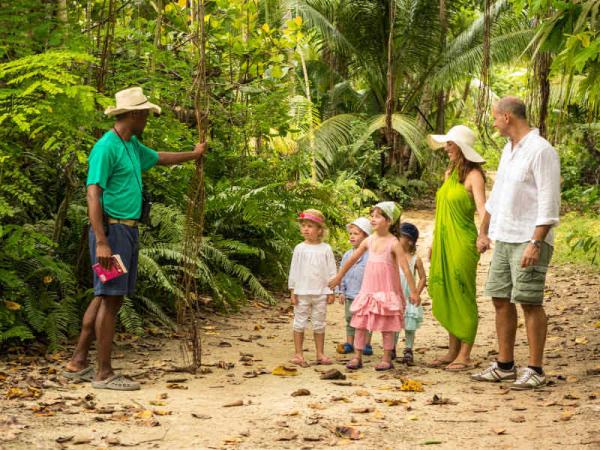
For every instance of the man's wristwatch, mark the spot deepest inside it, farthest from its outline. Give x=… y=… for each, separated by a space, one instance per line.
x=536 y=242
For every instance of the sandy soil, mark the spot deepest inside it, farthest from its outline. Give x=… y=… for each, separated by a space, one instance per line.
x=182 y=411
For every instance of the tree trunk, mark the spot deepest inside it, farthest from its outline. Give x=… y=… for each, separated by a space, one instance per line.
x=440 y=120
x=62 y=17
x=390 y=135
x=106 y=46
x=542 y=74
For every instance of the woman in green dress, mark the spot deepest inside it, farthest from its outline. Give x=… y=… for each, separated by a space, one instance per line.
x=454 y=255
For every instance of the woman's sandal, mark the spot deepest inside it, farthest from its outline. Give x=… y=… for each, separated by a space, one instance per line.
x=438 y=362
x=299 y=361
x=383 y=366
x=352 y=365
x=459 y=367
x=324 y=361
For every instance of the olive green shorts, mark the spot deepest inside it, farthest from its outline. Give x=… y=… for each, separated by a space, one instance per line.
x=507 y=279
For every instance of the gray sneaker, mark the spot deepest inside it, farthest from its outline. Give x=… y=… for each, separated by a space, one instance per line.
x=494 y=373
x=528 y=379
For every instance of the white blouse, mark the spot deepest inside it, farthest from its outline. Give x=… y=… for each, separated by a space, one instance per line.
x=312 y=267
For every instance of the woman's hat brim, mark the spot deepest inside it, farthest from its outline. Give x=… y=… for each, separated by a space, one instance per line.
x=436 y=141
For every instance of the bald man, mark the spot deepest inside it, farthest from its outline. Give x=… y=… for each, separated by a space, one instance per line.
x=520 y=214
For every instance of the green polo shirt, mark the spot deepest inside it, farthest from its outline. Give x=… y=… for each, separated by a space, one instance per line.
x=116 y=166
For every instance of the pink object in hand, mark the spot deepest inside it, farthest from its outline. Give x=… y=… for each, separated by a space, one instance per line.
x=117 y=268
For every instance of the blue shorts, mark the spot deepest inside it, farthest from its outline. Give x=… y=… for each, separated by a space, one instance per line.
x=123 y=241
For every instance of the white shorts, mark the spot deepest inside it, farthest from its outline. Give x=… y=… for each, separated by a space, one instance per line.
x=313 y=306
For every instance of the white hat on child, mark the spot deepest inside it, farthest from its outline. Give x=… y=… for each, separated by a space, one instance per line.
x=363 y=223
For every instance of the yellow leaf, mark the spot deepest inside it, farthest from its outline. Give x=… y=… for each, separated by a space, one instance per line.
x=266 y=28
x=411 y=385
x=12 y=306
x=298 y=20
x=412 y=418
x=169 y=8
x=145 y=414
x=581 y=340
x=48 y=279
x=283 y=371
x=597 y=324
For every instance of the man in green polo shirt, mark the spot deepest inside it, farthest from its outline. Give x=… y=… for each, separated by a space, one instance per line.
x=114 y=192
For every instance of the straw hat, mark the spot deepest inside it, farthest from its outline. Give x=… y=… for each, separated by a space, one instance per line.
x=363 y=224
x=132 y=99
x=462 y=136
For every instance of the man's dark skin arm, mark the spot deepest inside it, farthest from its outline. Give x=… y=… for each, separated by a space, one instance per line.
x=103 y=250
x=171 y=158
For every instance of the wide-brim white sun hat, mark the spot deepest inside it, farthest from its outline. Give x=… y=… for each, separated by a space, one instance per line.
x=132 y=99
x=462 y=136
x=362 y=223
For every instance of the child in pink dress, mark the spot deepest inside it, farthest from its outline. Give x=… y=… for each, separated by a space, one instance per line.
x=380 y=304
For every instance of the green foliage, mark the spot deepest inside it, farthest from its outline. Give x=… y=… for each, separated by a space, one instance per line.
x=297 y=91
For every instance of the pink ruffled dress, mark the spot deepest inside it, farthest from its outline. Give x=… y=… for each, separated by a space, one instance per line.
x=379 y=306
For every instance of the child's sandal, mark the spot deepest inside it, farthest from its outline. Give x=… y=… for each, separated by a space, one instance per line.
x=408 y=357
x=354 y=364
x=383 y=366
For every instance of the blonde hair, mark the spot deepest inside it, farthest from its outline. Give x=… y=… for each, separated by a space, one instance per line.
x=320 y=215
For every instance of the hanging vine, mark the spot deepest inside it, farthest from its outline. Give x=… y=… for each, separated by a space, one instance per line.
x=188 y=309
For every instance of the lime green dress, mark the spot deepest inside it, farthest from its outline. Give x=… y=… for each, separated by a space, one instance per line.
x=454 y=258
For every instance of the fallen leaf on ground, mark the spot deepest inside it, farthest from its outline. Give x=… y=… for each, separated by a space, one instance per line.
x=145 y=414
x=411 y=385
x=201 y=416
x=236 y=403
x=432 y=442
x=363 y=410
x=294 y=412
x=338 y=398
x=63 y=439
x=393 y=401
x=362 y=393
x=300 y=392
x=225 y=365
x=313 y=419
x=317 y=406
x=333 y=374
x=413 y=417
x=284 y=371
x=499 y=430
x=313 y=438
x=566 y=416
x=176 y=386
x=348 y=433
x=439 y=400
x=157 y=403
x=30 y=392
x=290 y=436
x=162 y=412
x=581 y=340
x=82 y=439
x=517 y=419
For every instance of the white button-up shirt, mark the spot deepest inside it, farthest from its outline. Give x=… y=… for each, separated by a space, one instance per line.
x=526 y=192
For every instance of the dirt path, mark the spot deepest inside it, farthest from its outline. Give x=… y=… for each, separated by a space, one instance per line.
x=179 y=411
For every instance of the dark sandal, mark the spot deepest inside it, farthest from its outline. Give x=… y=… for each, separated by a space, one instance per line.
x=408 y=357
x=356 y=366
x=382 y=366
